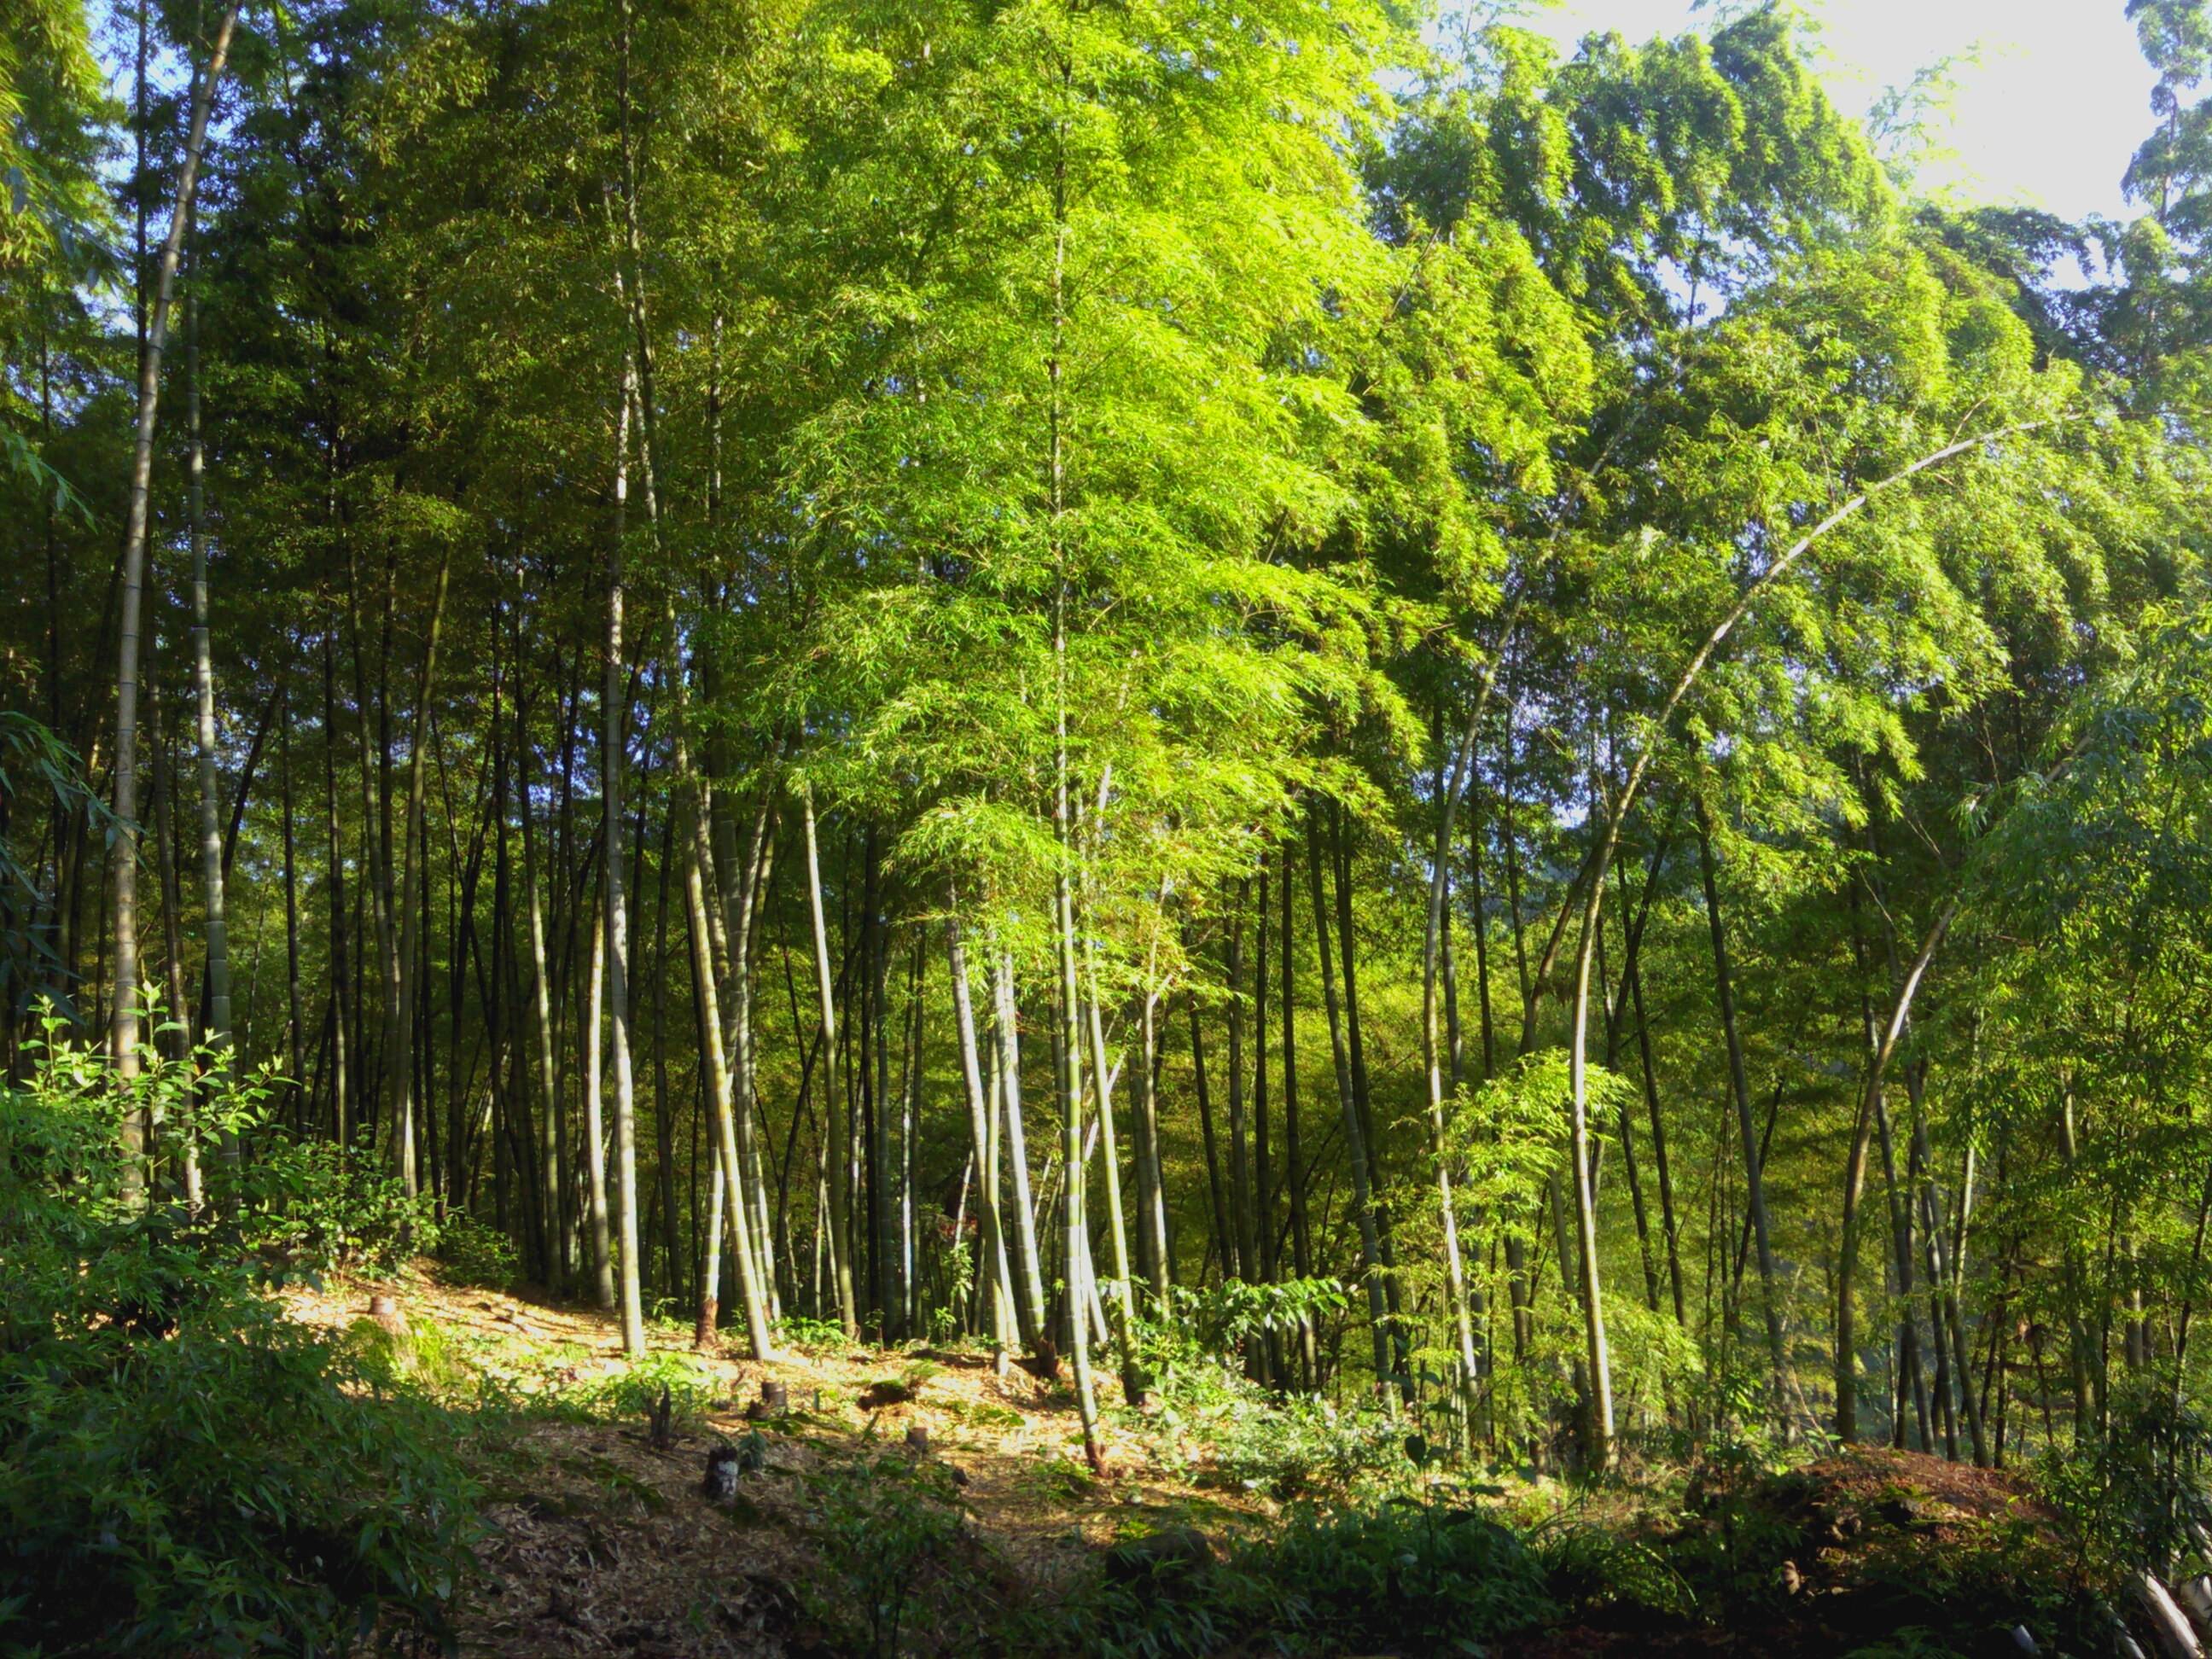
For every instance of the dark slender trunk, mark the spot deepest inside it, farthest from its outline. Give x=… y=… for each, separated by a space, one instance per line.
x=1225 y=1231
x=663 y=1126
x=1240 y=1169
x=1740 y=1087
x=1667 y=1226
x=1374 y=1270
x=1294 y=1145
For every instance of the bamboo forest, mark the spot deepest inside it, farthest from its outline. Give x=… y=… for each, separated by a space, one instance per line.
x=1123 y=827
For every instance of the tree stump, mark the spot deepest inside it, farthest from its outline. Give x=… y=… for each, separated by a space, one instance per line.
x=721 y=1482
x=661 y=1416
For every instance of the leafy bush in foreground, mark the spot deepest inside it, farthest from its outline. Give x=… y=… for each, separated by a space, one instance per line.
x=890 y=1532
x=182 y=1470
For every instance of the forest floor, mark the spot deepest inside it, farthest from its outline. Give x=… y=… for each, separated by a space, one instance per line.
x=600 y=1541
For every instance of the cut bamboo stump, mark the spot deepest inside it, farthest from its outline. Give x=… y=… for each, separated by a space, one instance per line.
x=721 y=1483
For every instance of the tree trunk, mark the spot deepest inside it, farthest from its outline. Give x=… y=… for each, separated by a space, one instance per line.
x=295 y=1028
x=1616 y=1006
x=218 y=1002
x=124 y=1021
x=735 y=1212
x=595 y=1143
x=1225 y=1233
x=833 y=1094
x=341 y=1116
x=1455 y=1290
x=550 y=1162
x=172 y=945
x=1125 y=1305
x=399 y=1076
x=1293 y=1139
x=738 y=918
x=1029 y=1304
x=1661 y=1171
x=1263 y=1197
x=1071 y=1032
x=1240 y=1171
x=613 y=742
x=990 y=1250
x=1151 y=1195
x=1371 y=1268
x=1740 y=1087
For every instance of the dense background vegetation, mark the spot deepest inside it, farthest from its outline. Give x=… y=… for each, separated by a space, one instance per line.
x=1501 y=733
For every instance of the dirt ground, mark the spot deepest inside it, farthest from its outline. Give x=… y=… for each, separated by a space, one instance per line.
x=602 y=1542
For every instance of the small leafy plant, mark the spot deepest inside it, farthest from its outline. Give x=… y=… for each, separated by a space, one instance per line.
x=890 y=1530
x=471 y=1253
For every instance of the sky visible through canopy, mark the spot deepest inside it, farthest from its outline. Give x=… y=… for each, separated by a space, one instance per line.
x=2047 y=117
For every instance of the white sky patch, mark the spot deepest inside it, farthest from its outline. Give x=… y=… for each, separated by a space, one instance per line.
x=2048 y=117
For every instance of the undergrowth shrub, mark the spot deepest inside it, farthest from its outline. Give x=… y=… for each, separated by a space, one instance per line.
x=307 y=1206
x=182 y=1470
x=1216 y=1423
x=2139 y=1493
x=471 y=1253
x=423 y=1359
x=1403 y=1576
x=1592 y=1568
x=1983 y=1579
x=1733 y=1550
x=635 y=1390
x=810 y=1335
x=898 y=1570
x=1442 y=1580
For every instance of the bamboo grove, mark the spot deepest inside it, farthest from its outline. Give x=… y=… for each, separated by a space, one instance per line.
x=1035 y=670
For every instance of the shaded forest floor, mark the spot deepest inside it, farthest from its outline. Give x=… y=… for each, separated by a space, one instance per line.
x=601 y=1542
x=599 y=1538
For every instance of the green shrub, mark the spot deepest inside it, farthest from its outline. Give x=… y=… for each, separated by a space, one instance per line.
x=635 y=1390
x=2140 y=1491
x=309 y=1206
x=422 y=1358
x=1215 y=1421
x=1595 y=1568
x=1435 y=1579
x=218 y=1492
x=1401 y=1578
x=469 y=1253
x=810 y=1335
x=892 y=1536
x=1225 y=1317
x=1733 y=1549
x=181 y=1468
